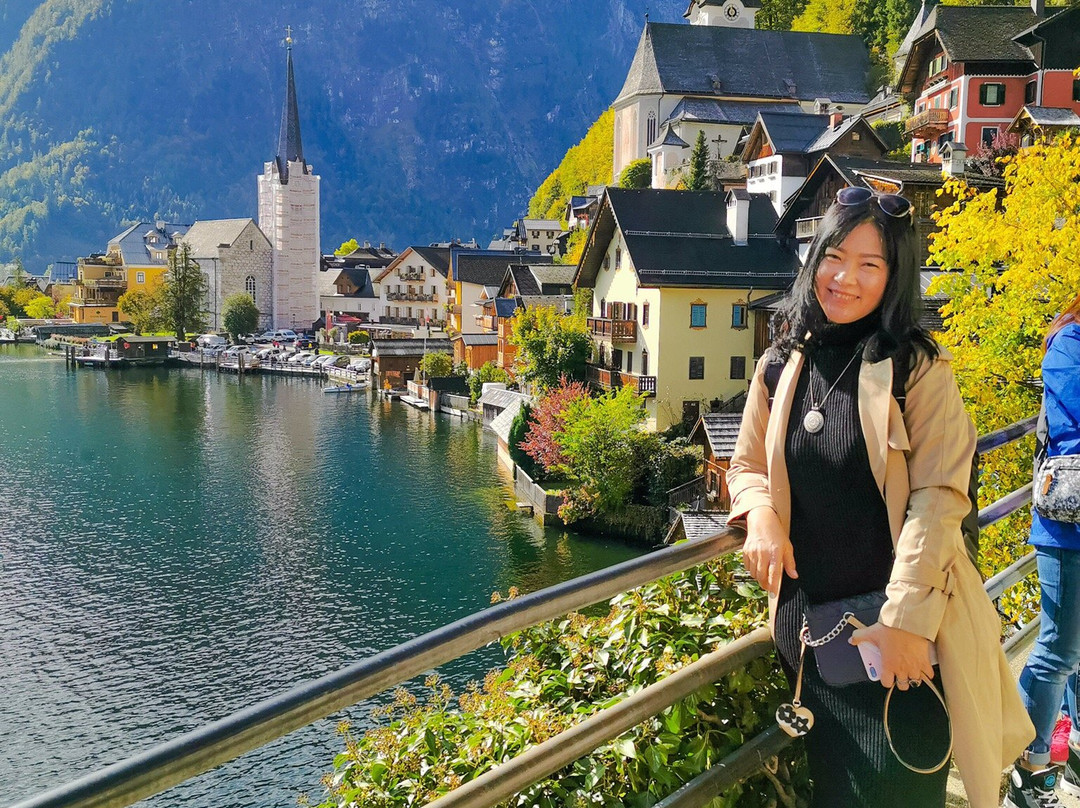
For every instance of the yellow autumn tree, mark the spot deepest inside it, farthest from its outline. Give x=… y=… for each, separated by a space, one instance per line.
x=587 y=163
x=1016 y=256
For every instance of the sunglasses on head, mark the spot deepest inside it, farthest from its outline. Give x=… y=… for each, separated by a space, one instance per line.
x=891 y=204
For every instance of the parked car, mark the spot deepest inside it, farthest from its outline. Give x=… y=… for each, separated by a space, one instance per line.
x=360 y=365
x=299 y=357
x=267 y=354
x=205 y=341
x=306 y=343
x=246 y=339
x=234 y=353
x=278 y=336
x=307 y=362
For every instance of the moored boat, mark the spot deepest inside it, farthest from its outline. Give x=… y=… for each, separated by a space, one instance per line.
x=7 y=337
x=344 y=388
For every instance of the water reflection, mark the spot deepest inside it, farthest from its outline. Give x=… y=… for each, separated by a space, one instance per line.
x=179 y=544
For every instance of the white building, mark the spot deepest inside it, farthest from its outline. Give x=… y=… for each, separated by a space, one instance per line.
x=289 y=216
x=234 y=256
x=718 y=73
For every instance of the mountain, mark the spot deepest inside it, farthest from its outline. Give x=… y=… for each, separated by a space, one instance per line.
x=425 y=120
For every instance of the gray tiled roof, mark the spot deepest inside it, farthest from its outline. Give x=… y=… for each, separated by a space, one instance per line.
x=500 y=398
x=487 y=268
x=1050 y=116
x=716 y=60
x=410 y=347
x=205 y=237
x=438 y=257
x=793 y=131
x=981 y=33
x=720 y=429
x=135 y=246
x=696 y=525
x=717 y=110
x=667 y=137
x=830 y=136
x=360 y=277
x=502 y=422
x=478 y=339
x=680 y=238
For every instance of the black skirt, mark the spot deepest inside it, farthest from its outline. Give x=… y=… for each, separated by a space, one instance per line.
x=851 y=764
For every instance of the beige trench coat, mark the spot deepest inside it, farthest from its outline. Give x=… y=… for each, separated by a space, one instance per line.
x=921 y=460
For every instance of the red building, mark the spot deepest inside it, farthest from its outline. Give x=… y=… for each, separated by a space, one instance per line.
x=971 y=69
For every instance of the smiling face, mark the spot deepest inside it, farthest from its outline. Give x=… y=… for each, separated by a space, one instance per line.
x=851 y=277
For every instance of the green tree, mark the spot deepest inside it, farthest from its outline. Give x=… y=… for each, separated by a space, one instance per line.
x=240 y=315
x=359 y=338
x=22 y=297
x=1017 y=261
x=637 y=174
x=550 y=345
x=183 y=294
x=778 y=15
x=437 y=365
x=519 y=430
x=487 y=372
x=40 y=307
x=347 y=247
x=587 y=163
x=144 y=310
x=697 y=178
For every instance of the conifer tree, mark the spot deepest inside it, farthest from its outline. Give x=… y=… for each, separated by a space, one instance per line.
x=184 y=293
x=698 y=177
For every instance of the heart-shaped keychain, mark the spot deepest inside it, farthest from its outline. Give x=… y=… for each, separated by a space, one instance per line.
x=793 y=718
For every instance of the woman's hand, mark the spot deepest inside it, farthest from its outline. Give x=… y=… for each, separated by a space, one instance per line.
x=767 y=551
x=905 y=657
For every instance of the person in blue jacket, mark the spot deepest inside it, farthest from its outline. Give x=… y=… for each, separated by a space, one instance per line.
x=1057 y=549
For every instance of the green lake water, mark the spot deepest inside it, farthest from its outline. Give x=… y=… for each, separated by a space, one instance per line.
x=177 y=545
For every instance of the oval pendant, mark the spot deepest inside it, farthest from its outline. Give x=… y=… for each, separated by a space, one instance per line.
x=813 y=421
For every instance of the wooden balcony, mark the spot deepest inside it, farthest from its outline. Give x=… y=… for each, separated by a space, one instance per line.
x=928 y=123
x=488 y=322
x=807 y=228
x=610 y=379
x=614 y=330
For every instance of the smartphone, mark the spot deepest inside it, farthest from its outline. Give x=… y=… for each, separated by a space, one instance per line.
x=871 y=659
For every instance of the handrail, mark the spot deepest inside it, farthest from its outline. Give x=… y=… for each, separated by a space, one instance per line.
x=537 y=762
x=174 y=761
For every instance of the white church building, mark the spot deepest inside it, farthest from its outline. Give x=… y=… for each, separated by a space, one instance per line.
x=289 y=217
x=716 y=74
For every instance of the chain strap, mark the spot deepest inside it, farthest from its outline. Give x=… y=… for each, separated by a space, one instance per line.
x=804 y=635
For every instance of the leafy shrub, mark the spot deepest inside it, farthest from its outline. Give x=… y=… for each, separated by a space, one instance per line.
x=637 y=174
x=487 y=372
x=437 y=365
x=359 y=338
x=560 y=673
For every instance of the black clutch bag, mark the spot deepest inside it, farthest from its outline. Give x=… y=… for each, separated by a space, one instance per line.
x=827 y=629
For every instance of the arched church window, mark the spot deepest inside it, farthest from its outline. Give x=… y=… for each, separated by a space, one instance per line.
x=249 y=286
x=650 y=128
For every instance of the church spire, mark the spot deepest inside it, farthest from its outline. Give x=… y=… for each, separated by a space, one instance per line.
x=290 y=149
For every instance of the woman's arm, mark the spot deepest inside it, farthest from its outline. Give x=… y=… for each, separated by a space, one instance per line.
x=942 y=439
x=767 y=552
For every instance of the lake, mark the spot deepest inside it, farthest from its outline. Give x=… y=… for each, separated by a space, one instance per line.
x=177 y=545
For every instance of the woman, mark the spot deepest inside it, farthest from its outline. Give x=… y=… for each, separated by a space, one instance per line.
x=1057 y=552
x=844 y=492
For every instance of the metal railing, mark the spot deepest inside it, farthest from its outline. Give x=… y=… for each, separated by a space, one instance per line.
x=182 y=758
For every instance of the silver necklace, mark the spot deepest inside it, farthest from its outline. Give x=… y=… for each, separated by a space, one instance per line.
x=814 y=420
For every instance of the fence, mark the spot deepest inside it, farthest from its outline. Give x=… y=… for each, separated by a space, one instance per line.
x=175 y=761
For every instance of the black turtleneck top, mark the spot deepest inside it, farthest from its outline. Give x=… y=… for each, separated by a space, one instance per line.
x=839 y=522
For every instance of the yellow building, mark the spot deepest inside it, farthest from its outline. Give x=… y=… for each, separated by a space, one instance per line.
x=673 y=274
x=136 y=259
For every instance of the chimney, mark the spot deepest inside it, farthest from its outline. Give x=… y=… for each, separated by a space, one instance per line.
x=835 y=119
x=953 y=159
x=367 y=245
x=738 y=215
x=1039 y=7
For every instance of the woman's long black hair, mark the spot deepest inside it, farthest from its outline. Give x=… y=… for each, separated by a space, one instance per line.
x=901 y=303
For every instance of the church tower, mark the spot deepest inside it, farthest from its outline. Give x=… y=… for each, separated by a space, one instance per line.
x=289 y=217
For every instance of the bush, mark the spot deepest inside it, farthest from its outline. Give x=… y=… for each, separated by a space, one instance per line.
x=560 y=673
x=437 y=365
x=637 y=174
x=359 y=338
x=487 y=372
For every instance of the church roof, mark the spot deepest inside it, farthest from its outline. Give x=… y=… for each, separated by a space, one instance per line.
x=290 y=148
x=718 y=110
x=711 y=60
x=204 y=237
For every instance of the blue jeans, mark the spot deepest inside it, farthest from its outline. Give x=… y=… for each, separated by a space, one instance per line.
x=1057 y=651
